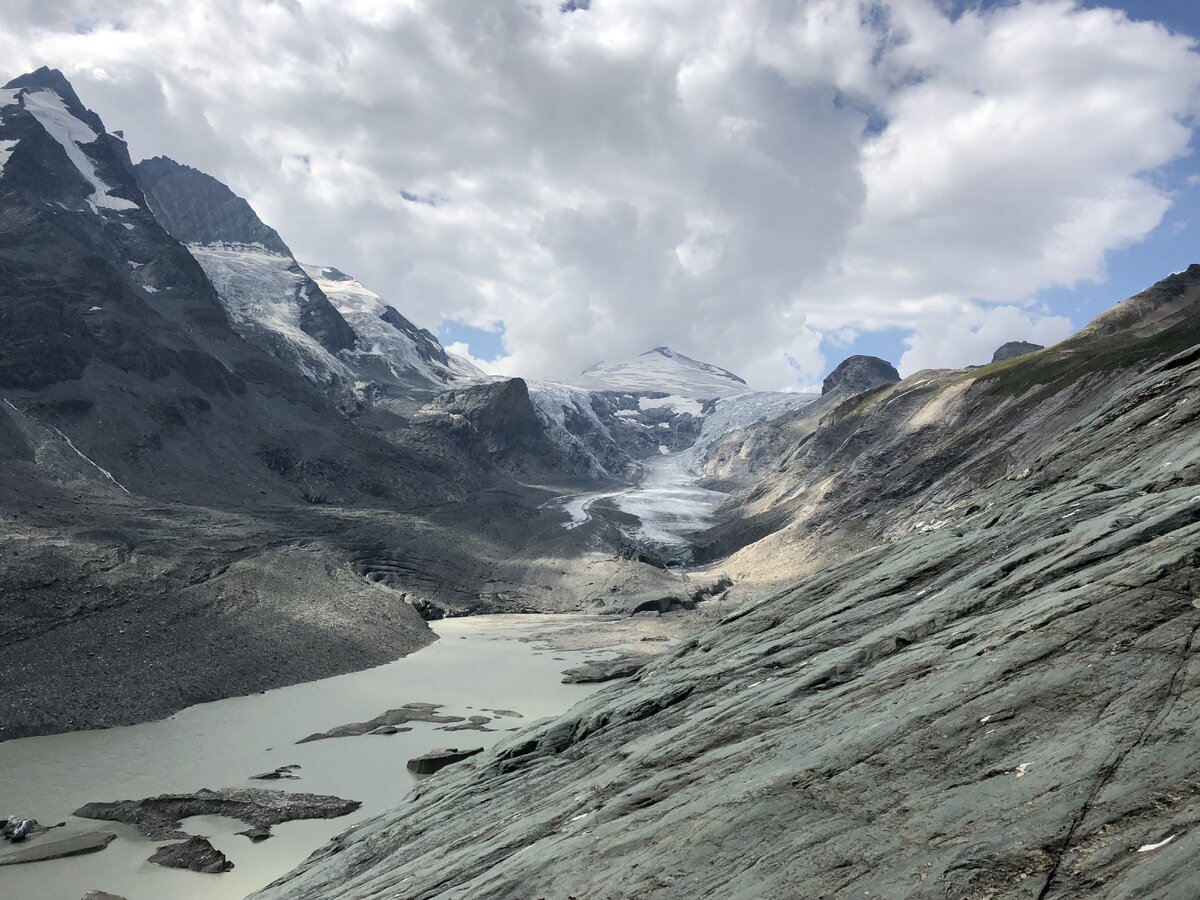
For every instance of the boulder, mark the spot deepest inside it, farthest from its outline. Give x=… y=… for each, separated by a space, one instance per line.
x=196 y=854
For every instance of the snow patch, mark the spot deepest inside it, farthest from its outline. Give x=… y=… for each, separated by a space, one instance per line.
x=47 y=107
x=662 y=371
x=95 y=465
x=677 y=405
x=6 y=149
x=361 y=308
x=1146 y=848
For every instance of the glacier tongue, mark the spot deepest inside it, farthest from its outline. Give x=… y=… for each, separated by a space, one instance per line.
x=48 y=108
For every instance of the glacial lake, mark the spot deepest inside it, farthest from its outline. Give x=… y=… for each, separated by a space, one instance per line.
x=480 y=663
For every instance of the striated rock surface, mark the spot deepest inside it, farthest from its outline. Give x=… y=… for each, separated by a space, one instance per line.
x=987 y=684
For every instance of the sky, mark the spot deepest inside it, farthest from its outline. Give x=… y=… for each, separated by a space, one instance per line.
x=767 y=185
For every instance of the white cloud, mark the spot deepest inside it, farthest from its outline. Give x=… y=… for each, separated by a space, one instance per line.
x=736 y=178
x=968 y=333
x=460 y=348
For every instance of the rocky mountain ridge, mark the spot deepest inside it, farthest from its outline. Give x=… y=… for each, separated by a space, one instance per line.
x=165 y=463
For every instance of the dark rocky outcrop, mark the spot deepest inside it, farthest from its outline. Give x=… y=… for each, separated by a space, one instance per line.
x=195 y=854
x=436 y=760
x=158 y=818
x=473 y=723
x=410 y=712
x=281 y=773
x=857 y=374
x=1013 y=349
x=494 y=425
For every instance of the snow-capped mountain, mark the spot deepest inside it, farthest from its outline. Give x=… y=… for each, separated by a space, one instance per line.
x=663 y=371
x=121 y=370
x=325 y=324
x=657 y=403
x=385 y=337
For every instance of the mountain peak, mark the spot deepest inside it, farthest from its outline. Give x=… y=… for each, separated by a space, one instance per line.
x=856 y=374
x=45 y=77
x=662 y=370
x=198 y=209
x=54 y=80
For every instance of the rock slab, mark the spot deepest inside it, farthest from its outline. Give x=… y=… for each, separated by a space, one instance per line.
x=436 y=760
x=92 y=842
x=605 y=670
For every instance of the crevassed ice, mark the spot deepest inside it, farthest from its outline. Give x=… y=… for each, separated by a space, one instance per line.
x=678 y=405
x=362 y=308
x=47 y=107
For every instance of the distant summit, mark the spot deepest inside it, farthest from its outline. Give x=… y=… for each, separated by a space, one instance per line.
x=662 y=370
x=1013 y=349
x=856 y=374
